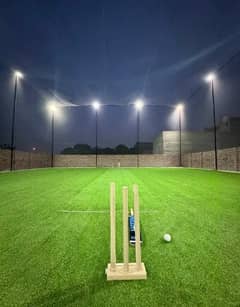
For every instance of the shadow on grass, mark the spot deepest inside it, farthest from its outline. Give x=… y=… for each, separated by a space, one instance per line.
x=79 y=294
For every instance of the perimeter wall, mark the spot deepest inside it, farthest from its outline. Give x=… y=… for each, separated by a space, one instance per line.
x=24 y=160
x=116 y=160
x=228 y=159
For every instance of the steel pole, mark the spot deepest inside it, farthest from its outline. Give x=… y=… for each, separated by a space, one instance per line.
x=180 y=137
x=214 y=126
x=96 y=138
x=13 y=123
x=52 y=145
x=138 y=137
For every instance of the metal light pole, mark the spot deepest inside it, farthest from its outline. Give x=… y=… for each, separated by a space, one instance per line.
x=179 y=109
x=138 y=137
x=52 y=139
x=96 y=106
x=215 y=126
x=18 y=75
x=52 y=108
x=139 y=104
x=96 y=138
x=210 y=78
x=180 y=135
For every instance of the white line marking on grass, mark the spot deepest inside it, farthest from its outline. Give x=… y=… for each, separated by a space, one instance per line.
x=105 y=211
x=83 y=211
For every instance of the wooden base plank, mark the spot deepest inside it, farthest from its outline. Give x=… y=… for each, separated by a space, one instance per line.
x=120 y=274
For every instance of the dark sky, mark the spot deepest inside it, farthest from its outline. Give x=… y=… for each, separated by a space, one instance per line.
x=114 y=51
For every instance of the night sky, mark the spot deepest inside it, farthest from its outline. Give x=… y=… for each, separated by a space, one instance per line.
x=114 y=51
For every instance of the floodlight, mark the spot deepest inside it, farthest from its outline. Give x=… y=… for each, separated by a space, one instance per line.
x=18 y=74
x=210 y=77
x=52 y=106
x=180 y=106
x=96 y=105
x=139 y=104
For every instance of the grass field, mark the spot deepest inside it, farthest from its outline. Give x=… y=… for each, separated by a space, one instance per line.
x=54 y=258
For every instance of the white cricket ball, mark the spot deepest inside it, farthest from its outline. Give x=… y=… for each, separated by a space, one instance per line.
x=167 y=237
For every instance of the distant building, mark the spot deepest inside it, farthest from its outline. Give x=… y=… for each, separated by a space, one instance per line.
x=228 y=135
x=229 y=124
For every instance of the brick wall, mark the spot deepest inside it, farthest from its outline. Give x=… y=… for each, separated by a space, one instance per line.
x=159 y=160
x=4 y=159
x=74 y=160
x=27 y=160
x=114 y=160
x=24 y=160
x=228 y=159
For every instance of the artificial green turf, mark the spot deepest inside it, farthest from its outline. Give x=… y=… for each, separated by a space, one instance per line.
x=52 y=258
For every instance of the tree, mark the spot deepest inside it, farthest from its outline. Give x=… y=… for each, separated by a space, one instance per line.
x=121 y=149
x=85 y=149
x=67 y=151
x=133 y=150
x=82 y=149
x=106 y=151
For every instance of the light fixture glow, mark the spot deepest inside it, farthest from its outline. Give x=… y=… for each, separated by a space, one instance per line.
x=52 y=106
x=180 y=106
x=139 y=104
x=210 y=77
x=18 y=74
x=96 y=105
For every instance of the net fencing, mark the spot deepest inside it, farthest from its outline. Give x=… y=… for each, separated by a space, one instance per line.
x=117 y=127
x=224 y=92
